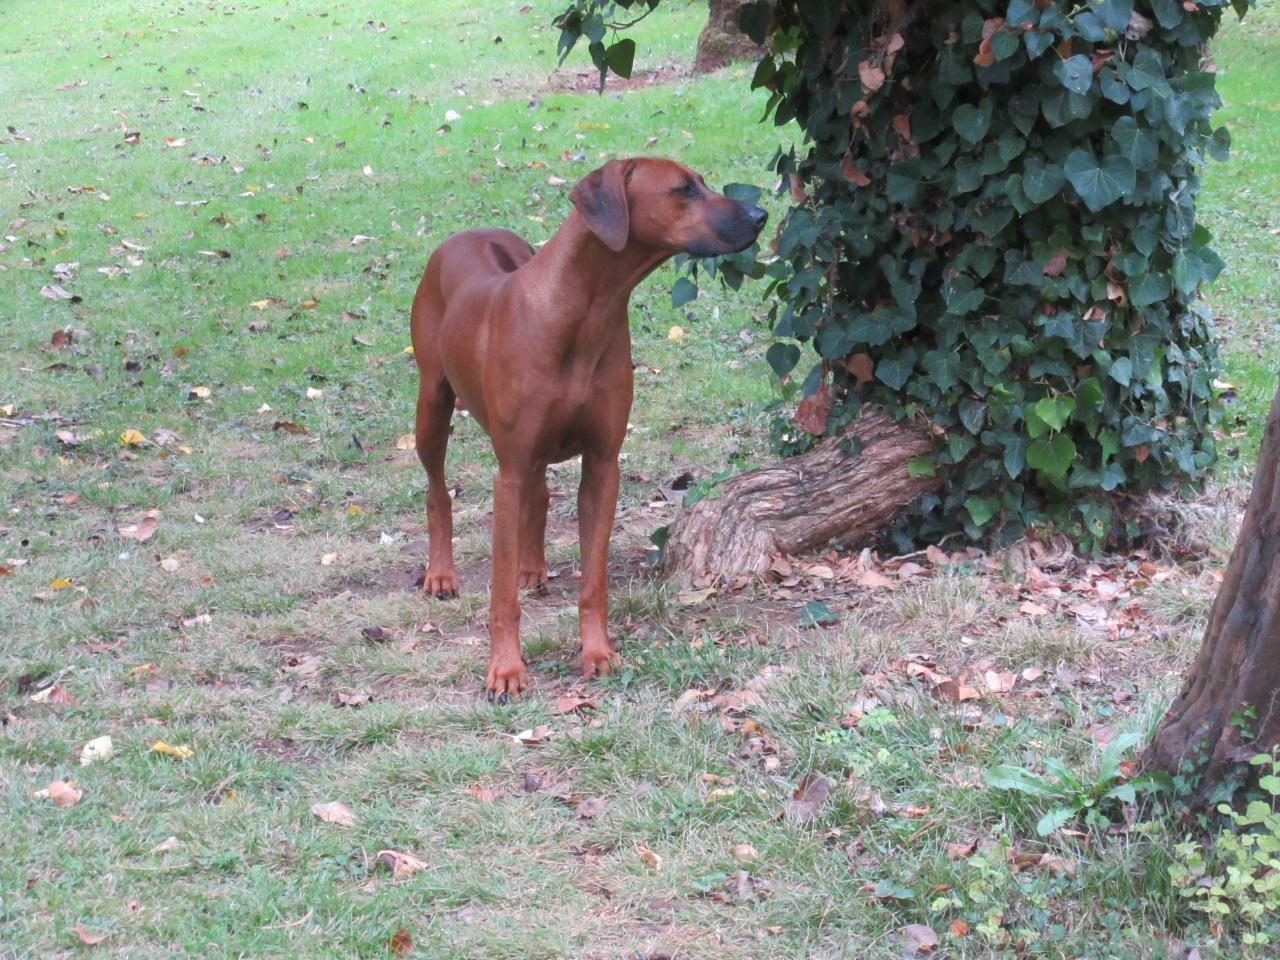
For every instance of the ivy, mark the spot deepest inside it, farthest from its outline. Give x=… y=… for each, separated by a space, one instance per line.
x=999 y=226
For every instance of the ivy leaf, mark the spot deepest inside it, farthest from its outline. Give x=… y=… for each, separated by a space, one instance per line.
x=1054 y=411
x=1146 y=72
x=1168 y=13
x=1015 y=456
x=782 y=358
x=972 y=122
x=1099 y=184
x=962 y=295
x=1137 y=144
x=1053 y=455
x=620 y=56
x=1113 y=88
x=683 y=291
x=981 y=509
x=1041 y=181
x=1149 y=288
x=943 y=368
x=1220 y=144
x=894 y=371
x=1074 y=73
x=1115 y=13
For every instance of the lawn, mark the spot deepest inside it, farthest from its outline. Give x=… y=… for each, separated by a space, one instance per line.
x=239 y=200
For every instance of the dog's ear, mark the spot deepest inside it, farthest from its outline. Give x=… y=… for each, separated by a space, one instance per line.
x=601 y=198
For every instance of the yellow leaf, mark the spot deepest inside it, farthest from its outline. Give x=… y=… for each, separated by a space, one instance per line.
x=408 y=350
x=406 y=442
x=354 y=510
x=170 y=750
x=132 y=438
x=675 y=334
x=310 y=304
x=198 y=392
x=62 y=583
x=259 y=304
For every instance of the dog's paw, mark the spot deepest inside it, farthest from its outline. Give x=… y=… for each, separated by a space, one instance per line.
x=534 y=579
x=598 y=661
x=441 y=585
x=505 y=680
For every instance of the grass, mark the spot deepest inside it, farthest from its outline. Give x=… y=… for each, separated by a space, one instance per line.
x=237 y=629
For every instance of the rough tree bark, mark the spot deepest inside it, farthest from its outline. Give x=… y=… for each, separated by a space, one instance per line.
x=721 y=41
x=1239 y=663
x=800 y=503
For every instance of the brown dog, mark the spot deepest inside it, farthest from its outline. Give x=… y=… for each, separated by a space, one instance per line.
x=537 y=347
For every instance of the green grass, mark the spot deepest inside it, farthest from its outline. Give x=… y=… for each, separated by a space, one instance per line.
x=279 y=548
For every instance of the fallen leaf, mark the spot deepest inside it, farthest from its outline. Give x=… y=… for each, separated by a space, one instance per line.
x=141 y=531
x=99 y=748
x=51 y=291
x=315 y=393
x=920 y=939
x=406 y=442
x=959 y=929
x=56 y=695
x=649 y=858
x=62 y=793
x=955 y=691
x=960 y=851
x=675 y=334
x=573 y=704
x=172 y=750
x=807 y=800
x=401 y=943
x=591 y=808
x=288 y=426
x=743 y=851
x=400 y=864
x=334 y=812
x=539 y=734
x=62 y=583
x=87 y=938
x=166 y=845
x=872 y=76
x=999 y=682
x=132 y=438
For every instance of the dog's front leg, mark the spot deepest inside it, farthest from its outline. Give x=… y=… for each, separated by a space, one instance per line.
x=506 y=674
x=597 y=500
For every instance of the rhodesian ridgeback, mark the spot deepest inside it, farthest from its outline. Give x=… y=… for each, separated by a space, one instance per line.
x=537 y=347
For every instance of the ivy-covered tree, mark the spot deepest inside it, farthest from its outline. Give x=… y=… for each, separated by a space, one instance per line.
x=993 y=234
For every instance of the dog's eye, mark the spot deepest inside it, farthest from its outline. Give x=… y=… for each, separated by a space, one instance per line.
x=687 y=189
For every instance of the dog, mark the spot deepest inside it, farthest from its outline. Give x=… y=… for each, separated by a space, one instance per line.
x=536 y=346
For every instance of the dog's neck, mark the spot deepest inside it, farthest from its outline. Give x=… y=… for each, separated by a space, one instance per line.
x=575 y=251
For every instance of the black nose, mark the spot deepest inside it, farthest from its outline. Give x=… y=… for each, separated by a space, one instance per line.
x=757 y=217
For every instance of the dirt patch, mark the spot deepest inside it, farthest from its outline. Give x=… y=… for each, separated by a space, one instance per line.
x=588 y=81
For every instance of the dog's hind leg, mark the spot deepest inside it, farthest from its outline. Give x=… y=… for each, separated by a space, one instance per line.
x=431 y=437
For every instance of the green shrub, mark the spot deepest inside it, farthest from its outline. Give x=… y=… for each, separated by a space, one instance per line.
x=993 y=228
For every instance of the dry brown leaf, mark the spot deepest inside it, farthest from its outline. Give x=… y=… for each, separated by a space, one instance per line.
x=99 y=748
x=999 y=681
x=572 y=704
x=539 y=734
x=919 y=939
x=871 y=76
x=743 y=851
x=807 y=800
x=591 y=808
x=61 y=794
x=960 y=851
x=141 y=531
x=955 y=691
x=401 y=943
x=482 y=793
x=400 y=864
x=649 y=858
x=335 y=812
x=164 y=846
x=87 y=938
x=862 y=367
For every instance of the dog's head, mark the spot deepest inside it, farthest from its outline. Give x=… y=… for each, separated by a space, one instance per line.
x=663 y=205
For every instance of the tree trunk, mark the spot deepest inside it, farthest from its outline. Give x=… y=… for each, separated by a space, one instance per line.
x=800 y=503
x=721 y=41
x=1228 y=710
